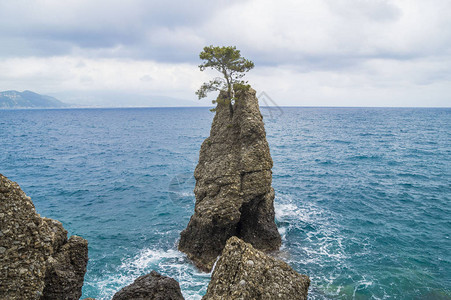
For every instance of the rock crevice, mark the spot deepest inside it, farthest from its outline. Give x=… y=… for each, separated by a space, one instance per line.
x=233 y=189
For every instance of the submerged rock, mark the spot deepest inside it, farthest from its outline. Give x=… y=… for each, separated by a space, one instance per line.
x=152 y=286
x=233 y=189
x=245 y=273
x=37 y=261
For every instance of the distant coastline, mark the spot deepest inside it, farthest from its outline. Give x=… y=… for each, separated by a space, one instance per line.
x=28 y=99
x=11 y=100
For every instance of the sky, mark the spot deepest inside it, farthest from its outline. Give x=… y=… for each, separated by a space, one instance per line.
x=306 y=52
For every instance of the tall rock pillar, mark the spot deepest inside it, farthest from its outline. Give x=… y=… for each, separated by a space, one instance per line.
x=233 y=189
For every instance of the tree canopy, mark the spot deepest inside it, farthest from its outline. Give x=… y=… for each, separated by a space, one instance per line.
x=229 y=62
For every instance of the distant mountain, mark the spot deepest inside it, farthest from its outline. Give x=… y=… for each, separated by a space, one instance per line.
x=28 y=99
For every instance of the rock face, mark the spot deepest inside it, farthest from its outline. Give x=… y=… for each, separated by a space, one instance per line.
x=245 y=273
x=233 y=189
x=152 y=286
x=66 y=270
x=36 y=259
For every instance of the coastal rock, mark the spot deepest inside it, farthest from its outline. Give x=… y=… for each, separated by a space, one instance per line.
x=245 y=273
x=152 y=286
x=37 y=261
x=66 y=269
x=233 y=189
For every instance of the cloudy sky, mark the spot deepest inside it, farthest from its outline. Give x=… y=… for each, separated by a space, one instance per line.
x=306 y=52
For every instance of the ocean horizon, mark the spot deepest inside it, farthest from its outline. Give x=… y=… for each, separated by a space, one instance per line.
x=362 y=193
x=212 y=106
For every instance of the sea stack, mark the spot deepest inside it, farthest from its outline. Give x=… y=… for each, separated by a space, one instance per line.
x=233 y=189
x=37 y=261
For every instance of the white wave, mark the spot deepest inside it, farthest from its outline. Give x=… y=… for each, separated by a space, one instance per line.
x=308 y=226
x=283 y=233
x=170 y=263
x=285 y=210
x=321 y=245
x=186 y=194
x=147 y=258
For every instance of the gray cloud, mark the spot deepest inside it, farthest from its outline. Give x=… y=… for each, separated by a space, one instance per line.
x=136 y=27
x=384 y=44
x=318 y=34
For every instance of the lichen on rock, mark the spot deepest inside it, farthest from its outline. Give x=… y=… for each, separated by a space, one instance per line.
x=245 y=273
x=233 y=189
x=37 y=261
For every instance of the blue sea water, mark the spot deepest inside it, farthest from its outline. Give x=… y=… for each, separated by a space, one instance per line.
x=362 y=194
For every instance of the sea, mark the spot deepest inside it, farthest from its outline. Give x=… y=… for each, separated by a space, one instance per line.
x=363 y=195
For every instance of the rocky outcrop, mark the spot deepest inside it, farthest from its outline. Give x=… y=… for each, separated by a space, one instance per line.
x=245 y=273
x=233 y=189
x=152 y=286
x=36 y=259
x=66 y=269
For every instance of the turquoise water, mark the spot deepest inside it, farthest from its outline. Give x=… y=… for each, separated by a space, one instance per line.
x=362 y=194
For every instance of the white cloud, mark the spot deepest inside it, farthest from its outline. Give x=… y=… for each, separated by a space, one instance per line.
x=59 y=74
x=377 y=82
x=299 y=30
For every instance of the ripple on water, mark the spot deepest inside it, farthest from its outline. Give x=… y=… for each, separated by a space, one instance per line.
x=362 y=195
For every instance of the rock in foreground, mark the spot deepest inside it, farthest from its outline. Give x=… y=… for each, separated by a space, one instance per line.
x=36 y=259
x=245 y=273
x=233 y=189
x=152 y=286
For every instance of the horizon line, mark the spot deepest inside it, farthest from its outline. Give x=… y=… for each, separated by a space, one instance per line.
x=209 y=107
